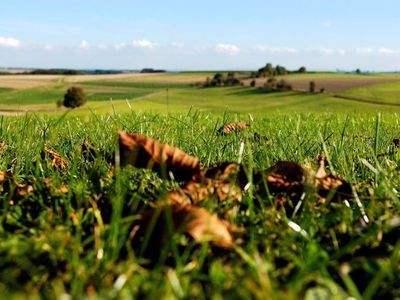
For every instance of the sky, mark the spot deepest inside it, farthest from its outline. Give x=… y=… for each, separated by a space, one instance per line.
x=200 y=35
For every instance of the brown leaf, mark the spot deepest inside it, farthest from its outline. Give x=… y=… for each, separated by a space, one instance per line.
x=329 y=185
x=285 y=181
x=227 y=172
x=144 y=152
x=233 y=127
x=12 y=188
x=198 y=223
x=54 y=190
x=57 y=160
x=284 y=175
x=195 y=192
x=203 y=226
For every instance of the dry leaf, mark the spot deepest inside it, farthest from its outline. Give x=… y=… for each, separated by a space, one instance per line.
x=284 y=180
x=203 y=226
x=284 y=175
x=227 y=172
x=56 y=159
x=152 y=231
x=195 y=192
x=143 y=152
x=330 y=186
x=233 y=127
x=54 y=190
x=10 y=186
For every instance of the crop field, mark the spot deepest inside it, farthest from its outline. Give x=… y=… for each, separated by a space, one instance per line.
x=159 y=189
x=175 y=92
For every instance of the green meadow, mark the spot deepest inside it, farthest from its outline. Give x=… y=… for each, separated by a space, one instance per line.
x=66 y=233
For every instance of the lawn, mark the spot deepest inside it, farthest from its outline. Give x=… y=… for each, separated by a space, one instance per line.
x=67 y=232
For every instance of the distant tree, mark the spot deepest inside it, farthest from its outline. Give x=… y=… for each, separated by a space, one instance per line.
x=269 y=69
x=312 y=87
x=74 y=97
x=253 y=83
x=218 y=80
x=279 y=70
x=302 y=70
x=322 y=90
x=358 y=71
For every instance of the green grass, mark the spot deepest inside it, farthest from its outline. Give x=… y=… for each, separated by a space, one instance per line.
x=385 y=92
x=143 y=85
x=149 y=94
x=56 y=245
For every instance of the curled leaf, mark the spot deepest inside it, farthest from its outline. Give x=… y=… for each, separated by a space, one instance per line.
x=285 y=181
x=204 y=226
x=227 y=172
x=233 y=127
x=330 y=186
x=157 y=225
x=195 y=192
x=144 y=152
x=13 y=189
x=57 y=160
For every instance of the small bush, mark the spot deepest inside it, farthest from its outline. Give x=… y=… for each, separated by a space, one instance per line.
x=253 y=83
x=312 y=87
x=74 y=97
x=283 y=85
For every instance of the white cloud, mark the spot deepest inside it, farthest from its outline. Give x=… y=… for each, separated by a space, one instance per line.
x=332 y=51
x=48 y=47
x=327 y=51
x=387 y=51
x=102 y=47
x=119 y=46
x=177 y=45
x=277 y=50
x=227 y=48
x=9 y=42
x=364 y=51
x=84 y=45
x=144 y=44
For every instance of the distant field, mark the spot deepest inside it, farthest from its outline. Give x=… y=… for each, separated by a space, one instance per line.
x=175 y=92
x=332 y=83
x=385 y=92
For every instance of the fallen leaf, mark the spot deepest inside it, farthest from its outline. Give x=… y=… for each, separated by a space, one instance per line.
x=144 y=152
x=204 y=226
x=12 y=188
x=53 y=189
x=56 y=159
x=284 y=181
x=227 y=172
x=195 y=192
x=233 y=127
x=153 y=230
x=330 y=186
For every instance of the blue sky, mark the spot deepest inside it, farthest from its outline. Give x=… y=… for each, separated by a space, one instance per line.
x=200 y=35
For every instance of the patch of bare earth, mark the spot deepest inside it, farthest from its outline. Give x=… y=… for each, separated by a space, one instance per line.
x=330 y=85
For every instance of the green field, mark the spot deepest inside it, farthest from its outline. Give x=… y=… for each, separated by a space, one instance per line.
x=175 y=92
x=69 y=233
